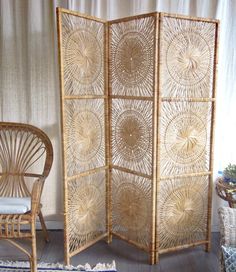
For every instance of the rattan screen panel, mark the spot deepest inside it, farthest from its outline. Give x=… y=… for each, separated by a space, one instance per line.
x=84 y=134
x=185 y=137
x=131 y=206
x=144 y=131
x=86 y=209
x=131 y=137
x=83 y=52
x=132 y=57
x=187 y=54
x=84 y=103
x=183 y=211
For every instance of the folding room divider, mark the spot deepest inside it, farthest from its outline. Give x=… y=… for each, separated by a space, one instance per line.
x=137 y=118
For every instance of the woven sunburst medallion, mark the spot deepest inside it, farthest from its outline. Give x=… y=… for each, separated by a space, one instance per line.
x=86 y=202
x=182 y=211
x=188 y=58
x=188 y=137
x=85 y=135
x=132 y=207
x=131 y=203
x=187 y=54
x=131 y=134
x=185 y=137
x=82 y=55
x=83 y=51
x=132 y=57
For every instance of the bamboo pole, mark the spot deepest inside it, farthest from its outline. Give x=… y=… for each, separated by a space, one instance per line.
x=159 y=103
x=187 y=175
x=131 y=171
x=63 y=140
x=187 y=99
x=198 y=243
x=87 y=173
x=130 y=18
x=208 y=245
x=20 y=247
x=70 y=97
x=155 y=156
x=79 y=14
x=190 y=18
x=128 y=97
x=131 y=242
x=107 y=133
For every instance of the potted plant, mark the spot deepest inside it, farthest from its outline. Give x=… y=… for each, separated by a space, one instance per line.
x=229 y=174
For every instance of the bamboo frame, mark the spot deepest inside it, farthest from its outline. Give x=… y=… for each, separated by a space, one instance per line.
x=208 y=246
x=153 y=98
x=24 y=145
x=197 y=99
x=88 y=244
x=108 y=144
x=199 y=243
x=86 y=173
x=131 y=242
x=157 y=98
x=61 y=69
x=158 y=138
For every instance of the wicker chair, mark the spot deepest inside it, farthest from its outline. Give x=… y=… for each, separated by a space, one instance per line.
x=26 y=156
x=227 y=218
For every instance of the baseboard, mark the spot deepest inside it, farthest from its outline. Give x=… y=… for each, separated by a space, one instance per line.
x=51 y=225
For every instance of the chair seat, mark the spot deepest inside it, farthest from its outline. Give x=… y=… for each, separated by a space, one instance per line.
x=15 y=205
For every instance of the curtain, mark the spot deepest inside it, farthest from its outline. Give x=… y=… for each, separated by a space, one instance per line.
x=29 y=81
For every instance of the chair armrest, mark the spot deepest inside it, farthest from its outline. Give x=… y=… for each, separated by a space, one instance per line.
x=36 y=195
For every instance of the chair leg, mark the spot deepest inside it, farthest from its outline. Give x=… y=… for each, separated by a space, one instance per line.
x=34 y=249
x=44 y=227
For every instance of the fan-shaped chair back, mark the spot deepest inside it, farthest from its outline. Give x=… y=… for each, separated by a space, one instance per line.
x=25 y=151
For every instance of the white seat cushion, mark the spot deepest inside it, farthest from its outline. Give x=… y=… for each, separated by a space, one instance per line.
x=14 y=205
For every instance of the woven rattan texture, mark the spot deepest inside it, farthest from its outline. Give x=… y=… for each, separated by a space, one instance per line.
x=26 y=153
x=131 y=69
x=131 y=137
x=147 y=121
x=83 y=51
x=131 y=205
x=86 y=213
x=23 y=150
x=187 y=52
x=185 y=137
x=183 y=211
x=187 y=57
x=84 y=134
x=83 y=99
x=132 y=57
